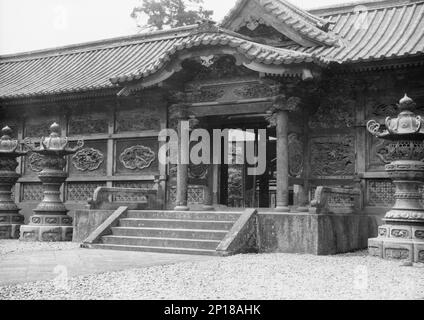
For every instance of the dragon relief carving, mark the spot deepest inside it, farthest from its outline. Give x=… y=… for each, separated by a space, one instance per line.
x=333 y=156
x=88 y=159
x=137 y=157
x=334 y=112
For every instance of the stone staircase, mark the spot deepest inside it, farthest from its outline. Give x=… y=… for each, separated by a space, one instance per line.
x=187 y=232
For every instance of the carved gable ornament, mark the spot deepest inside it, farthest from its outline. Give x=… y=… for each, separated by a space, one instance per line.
x=87 y=159
x=137 y=157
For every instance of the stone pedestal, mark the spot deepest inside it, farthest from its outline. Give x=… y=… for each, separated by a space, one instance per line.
x=10 y=219
x=402 y=235
x=50 y=221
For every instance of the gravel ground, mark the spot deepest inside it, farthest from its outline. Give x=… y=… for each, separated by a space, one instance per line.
x=264 y=276
x=16 y=246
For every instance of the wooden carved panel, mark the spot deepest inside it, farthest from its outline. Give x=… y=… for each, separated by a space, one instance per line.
x=136 y=156
x=195 y=194
x=334 y=112
x=380 y=193
x=81 y=191
x=134 y=185
x=295 y=146
x=88 y=123
x=231 y=91
x=38 y=128
x=333 y=156
x=377 y=153
x=139 y=115
x=91 y=160
x=32 y=192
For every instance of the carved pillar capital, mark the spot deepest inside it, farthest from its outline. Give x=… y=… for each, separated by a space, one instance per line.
x=181 y=112
x=281 y=103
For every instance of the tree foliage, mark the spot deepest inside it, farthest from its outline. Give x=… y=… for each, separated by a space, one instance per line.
x=170 y=13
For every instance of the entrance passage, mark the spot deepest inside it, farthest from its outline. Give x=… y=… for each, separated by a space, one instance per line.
x=237 y=188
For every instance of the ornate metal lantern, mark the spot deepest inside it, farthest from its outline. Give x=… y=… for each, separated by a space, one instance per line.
x=50 y=221
x=10 y=219
x=402 y=235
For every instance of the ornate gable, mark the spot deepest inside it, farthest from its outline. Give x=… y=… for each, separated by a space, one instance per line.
x=291 y=22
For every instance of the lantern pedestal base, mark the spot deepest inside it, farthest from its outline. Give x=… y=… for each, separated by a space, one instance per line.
x=10 y=225
x=48 y=227
x=46 y=233
x=402 y=242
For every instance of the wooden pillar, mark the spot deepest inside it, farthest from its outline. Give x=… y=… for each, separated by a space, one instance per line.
x=186 y=122
x=263 y=201
x=208 y=199
x=282 y=186
x=278 y=116
x=182 y=168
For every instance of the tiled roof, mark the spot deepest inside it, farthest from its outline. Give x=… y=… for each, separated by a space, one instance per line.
x=388 y=31
x=252 y=51
x=302 y=22
x=102 y=67
x=380 y=32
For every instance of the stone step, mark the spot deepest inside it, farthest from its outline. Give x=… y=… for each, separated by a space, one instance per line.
x=170 y=233
x=153 y=249
x=184 y=215
x=161 y=242
x=176 y=224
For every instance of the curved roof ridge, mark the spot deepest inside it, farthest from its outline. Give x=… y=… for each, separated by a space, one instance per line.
x=221 y=38
x=99 y=44
x=370 y=5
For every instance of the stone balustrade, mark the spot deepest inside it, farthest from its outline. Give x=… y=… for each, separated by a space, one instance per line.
x=335 y=200
x=110 y=198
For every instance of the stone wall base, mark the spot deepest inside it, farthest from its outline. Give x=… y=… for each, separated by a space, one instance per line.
x=322 y=234
x=46 y=233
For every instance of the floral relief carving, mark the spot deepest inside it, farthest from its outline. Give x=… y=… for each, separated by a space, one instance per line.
x=255 y=90
x=206 y=94
x=397 y=233
x=137 y=157
x=198 y=171
x=419 y=234
x=88 y=159
x=295 y=147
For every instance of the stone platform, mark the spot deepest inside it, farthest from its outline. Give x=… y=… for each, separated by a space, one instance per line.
x=318 y=234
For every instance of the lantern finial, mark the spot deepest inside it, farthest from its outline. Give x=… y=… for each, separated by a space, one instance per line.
x=406 y=104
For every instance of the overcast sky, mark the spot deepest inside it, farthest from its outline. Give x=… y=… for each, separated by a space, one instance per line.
x=27 y=25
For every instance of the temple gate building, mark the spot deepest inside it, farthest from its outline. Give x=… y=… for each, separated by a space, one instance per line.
x=311 y=78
